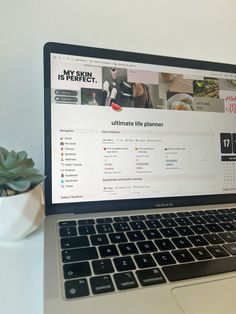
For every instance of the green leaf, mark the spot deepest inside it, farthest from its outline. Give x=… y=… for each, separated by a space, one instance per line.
x=3 y=181
x=21 y=155
x=28 y=162
x=11 y=160
x=3 y=173
x=3 y=156
x=4 y=152
x=19 y=186
x=36 y=178
x=23 y=171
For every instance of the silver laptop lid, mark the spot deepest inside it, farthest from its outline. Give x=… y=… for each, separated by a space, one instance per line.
x=127 y=131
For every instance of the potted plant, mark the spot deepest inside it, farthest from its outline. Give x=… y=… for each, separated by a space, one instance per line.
x=21 y=195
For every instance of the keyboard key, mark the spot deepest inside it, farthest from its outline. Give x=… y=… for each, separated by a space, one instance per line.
x=104 y=220
x=153 y=216
x=217 y=251
x=118 y=237
x=213 y=239
x=200 y=253
x=198 y=229
x=169 y=215
x=181 y=242
x=67 y=223
x=183 y=256
x=121 y=226
x=146 y=246
x=137 y=225
x=224 y=218
x=233 y=216
x=168 y=232
x=228 y=226
x=124 y=263
x=184 y=231
x=153 y=224
x=228 y=236
x=104 y=228
x=214 y=227
x=73 y=242
x=198 y=240
x=164 y=258
x=168 y=223
x=76 y=288
x=101 y=284
x=135 y=235
x=149 y=277
x=198 y=213
x=211 y=219
x=164 y=244
x=79 y=255
x=152 y=234
x=121 y=219
x=108 y=250
x=196 y=220
x=68 y=232
x=144 y=261
x=224 y=211
x=86 y=230
x=103 y=266
x=128 y=248
x=100 y=239
x=184 y=214
x=198 y=269
x=211 y=212
x=125 y=281
x=183 y=221
x=84 y=222
x=138 y=218
x=231 y=248
x=75 y=270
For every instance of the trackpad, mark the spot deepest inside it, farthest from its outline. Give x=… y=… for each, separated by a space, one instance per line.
x=206 y=298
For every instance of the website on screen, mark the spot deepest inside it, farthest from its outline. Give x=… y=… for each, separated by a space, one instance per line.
x=123 y=130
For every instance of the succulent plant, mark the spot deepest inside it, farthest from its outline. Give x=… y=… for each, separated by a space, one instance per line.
x=17 y=173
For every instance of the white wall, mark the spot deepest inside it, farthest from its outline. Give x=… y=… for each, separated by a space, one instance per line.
x=198 y=29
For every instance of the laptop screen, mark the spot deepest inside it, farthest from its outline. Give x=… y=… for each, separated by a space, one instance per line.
x=129 y=127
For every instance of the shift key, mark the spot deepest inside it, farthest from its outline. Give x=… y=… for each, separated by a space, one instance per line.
x=79 y=255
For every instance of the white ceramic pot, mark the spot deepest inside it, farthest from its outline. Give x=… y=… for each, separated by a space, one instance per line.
x=21 y=214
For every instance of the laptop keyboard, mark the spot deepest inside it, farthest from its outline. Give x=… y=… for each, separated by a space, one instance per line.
x=105 y=255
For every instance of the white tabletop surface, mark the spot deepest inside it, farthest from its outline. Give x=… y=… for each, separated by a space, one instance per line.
x=21 y=275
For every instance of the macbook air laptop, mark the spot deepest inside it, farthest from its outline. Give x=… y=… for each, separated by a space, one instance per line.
x=140 y=158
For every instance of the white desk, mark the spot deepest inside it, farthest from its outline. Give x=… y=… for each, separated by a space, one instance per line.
x=21 y=275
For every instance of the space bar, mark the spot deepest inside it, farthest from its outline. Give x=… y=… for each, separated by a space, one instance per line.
x=199 y=269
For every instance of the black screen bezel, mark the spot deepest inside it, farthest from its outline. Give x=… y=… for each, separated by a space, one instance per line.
x=118 y=205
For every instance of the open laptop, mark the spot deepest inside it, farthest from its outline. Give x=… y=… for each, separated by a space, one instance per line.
x=140 y=155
